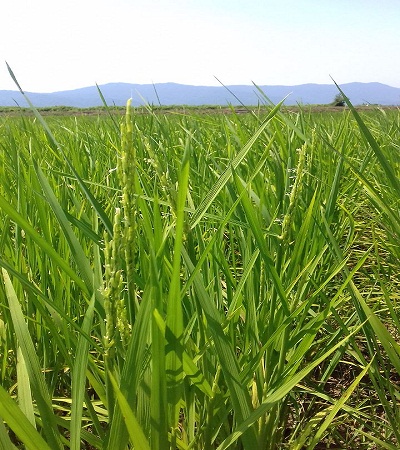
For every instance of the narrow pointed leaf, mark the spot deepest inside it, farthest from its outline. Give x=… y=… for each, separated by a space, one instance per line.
x=38 y=385
x=20 y=425
x=79 y=379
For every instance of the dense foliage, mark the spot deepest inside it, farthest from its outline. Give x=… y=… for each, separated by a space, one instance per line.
x=200 y=281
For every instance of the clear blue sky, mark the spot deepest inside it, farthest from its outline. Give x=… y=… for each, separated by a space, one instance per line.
x=55 y=45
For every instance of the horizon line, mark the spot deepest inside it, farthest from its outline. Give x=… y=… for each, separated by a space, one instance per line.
x=198 y=85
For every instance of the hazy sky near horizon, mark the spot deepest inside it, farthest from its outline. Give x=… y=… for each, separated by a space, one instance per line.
x=56 y=45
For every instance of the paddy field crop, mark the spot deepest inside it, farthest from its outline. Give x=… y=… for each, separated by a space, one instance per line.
x=197 y=281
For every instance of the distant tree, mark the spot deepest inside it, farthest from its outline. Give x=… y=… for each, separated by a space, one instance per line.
x=339 y=100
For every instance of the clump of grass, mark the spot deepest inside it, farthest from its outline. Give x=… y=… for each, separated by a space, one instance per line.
x=200 y=281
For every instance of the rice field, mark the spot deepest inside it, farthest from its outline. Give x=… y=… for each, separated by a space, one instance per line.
x=200 y=281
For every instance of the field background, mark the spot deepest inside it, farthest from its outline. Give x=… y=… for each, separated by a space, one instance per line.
x=200 y=281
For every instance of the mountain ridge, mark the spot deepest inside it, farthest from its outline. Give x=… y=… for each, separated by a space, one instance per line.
x=171 y=93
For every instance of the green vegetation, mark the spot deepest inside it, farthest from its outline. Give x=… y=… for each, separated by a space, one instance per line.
x=339 y=100
x=99 y=110
x=200 y=281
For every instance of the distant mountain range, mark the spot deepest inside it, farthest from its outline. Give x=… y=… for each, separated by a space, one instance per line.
x=180 y=94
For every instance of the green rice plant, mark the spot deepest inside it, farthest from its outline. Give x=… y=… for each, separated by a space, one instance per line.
x=211 y=281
